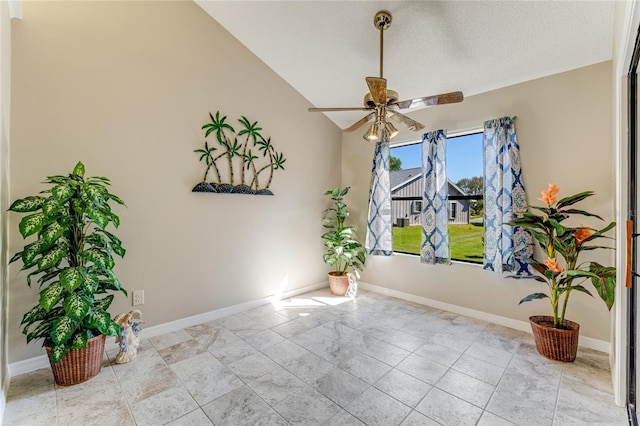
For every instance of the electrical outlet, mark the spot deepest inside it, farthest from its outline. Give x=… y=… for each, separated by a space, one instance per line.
x=138 y=297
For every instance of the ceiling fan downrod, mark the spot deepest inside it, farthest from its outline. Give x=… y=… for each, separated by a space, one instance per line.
x=382 y=21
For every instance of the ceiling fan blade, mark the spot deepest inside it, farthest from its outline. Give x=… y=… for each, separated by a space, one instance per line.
x=410 y=123
x=378 y=89
x=445 y=98
x=339 y=109
x=360 y=122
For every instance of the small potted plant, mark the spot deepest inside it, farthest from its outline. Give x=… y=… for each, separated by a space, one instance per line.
x=344 y=252
x=72 y=261
x=561 y=270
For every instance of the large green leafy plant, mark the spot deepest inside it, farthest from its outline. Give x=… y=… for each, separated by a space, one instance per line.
x=343 y=249
x=71 y=259
x=561 y=270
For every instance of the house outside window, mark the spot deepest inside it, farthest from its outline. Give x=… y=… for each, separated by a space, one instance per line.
x=465 y=186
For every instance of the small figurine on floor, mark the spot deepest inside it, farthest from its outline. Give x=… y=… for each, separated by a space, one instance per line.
x=128 y=340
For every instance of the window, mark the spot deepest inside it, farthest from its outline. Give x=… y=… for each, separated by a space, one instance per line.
x=465 y=175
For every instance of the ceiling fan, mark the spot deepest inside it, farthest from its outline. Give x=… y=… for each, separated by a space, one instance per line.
x=383 y=103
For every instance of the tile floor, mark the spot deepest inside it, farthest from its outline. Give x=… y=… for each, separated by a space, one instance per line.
x=320 y=360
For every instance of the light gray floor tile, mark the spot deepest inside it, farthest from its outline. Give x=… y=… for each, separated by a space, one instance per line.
x=343 y=419
x=340 y=386
x=481 y=370
x=241 y=325
x=241 y=407
x=206 y=378
x=285 y=352
x=403 y=387
x=343 y=346
x=364 y=367
x=309 y=367
x=489 y=419
x=170 y=339
x=253 y=367
x=441 y=354
x=466 y=387
x=417 y=419
x=519 y=398
x=31 y=399
x=448 y=409
x=163 y=407
x=264 y=339
x=376 y=408
x=194 y=418
x=276 y=386
x=211 y=335
x=583 y=401
x=233 y=352
x=145 y=376
x=107 y=402
x=307 y=407
x=422 y=368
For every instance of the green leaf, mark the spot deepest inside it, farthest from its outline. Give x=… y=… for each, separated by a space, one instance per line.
x=50 y=296
x=62 y=192
x=16 y=256
x=28 y=204
x=98 y=217
x=50 y=207
x=78 y=170
x=116 y=199
x=99 y=320
x=533 y=296
x=98 y=258
x=58 y=352
x=62 y=330
x=71 y=278
x=90 y=283
x=80 y=339
x=31 y=224
x=115 y=219
x=581 y=212
x=95 y=193
x=103 y=304
x=52 y=232
x=76 y=306
x=31 y=251
x=572 y=199
x=42 y=330
x=36 y=313
x=53 y=257
x=113 y=329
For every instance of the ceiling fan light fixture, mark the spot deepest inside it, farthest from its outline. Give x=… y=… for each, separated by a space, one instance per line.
x=391 y=130
x=372 y=133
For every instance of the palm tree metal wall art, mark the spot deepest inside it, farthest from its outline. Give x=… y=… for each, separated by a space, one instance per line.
x=249 y=158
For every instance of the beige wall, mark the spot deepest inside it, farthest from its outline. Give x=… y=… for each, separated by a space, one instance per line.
x=5 y=79
x=125 y=87
x=565 y=133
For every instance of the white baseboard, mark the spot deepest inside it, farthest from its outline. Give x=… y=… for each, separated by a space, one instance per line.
x=41 y=361
x=586 y=342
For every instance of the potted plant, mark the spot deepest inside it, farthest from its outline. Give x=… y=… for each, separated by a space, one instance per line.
x=344 y=252
x=72 y=261
x=561 y=270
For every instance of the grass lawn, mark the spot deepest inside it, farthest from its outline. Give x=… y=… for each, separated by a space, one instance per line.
x=465 y=241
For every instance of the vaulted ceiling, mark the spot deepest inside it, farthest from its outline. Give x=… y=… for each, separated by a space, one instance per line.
x=325 y=49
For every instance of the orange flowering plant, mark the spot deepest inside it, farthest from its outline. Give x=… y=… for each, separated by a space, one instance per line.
x=561 y=270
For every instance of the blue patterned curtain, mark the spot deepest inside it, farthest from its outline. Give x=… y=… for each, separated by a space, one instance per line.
x=505 y=247
x=379 y=240
x=435 y=220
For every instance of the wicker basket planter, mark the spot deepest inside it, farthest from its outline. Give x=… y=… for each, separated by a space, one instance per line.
x=79 y=365
x=555 y=343
x=338 y=284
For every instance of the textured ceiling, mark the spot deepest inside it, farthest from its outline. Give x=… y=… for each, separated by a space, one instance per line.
x=325 y=49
